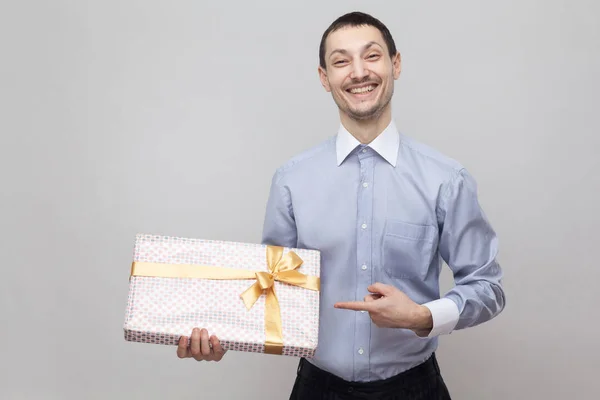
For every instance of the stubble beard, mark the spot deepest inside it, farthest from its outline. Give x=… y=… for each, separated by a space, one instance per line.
x=371 y=113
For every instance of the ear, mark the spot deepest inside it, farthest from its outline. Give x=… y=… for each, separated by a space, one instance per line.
x=323 y=78
x=397 y=65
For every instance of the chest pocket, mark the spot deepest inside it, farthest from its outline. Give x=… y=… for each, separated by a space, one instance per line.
x=408 y=249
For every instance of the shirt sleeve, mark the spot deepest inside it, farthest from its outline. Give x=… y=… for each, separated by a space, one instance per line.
x=279 y=228
x=469 y=245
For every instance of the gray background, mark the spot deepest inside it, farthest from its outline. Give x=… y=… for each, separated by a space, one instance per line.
x=121 y=117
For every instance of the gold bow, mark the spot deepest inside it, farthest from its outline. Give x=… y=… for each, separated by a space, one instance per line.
x=280 y=268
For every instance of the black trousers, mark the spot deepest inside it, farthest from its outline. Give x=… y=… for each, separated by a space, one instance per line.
x=423 y=382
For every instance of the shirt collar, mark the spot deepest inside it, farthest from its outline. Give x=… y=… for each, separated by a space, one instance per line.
x=385 y=144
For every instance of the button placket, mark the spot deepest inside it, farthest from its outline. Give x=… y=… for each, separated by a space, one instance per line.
x=363 y=262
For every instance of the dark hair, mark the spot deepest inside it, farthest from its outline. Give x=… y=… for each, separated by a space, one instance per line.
x=354 y=19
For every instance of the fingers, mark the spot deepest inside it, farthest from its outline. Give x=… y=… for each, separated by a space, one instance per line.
x=381 y=289
x=204 y=346
x=372 y=297
x=182 y=348
x=366 y=305
x=201 y=347
x=354 y=305
x=217 y=349
x=195 y=344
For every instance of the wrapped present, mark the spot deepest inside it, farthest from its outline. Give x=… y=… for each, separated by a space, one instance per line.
x=254 y=298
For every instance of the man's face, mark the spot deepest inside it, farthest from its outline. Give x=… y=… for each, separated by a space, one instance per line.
x=360 y=74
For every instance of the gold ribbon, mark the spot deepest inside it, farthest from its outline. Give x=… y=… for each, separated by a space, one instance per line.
x=280 y=268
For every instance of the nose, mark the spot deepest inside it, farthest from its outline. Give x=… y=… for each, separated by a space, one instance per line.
x=359 y=70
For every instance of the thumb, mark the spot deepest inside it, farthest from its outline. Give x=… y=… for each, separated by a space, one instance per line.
x=380 y=288
x=372 y=297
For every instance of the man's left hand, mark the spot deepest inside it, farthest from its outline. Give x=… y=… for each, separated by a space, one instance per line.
x=389 y=307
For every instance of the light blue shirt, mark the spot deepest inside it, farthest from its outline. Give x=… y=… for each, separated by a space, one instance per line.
x=387 y=212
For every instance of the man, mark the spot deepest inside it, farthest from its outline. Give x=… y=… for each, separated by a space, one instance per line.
x=384 y=210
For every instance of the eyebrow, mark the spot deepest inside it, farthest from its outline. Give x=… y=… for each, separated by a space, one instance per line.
x=365 y=47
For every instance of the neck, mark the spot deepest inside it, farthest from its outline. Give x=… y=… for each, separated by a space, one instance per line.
x=366 y=130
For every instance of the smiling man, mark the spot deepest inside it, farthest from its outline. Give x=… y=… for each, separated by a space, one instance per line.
x=384 y=210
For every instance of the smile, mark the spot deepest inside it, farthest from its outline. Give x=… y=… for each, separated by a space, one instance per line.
x=362 y=89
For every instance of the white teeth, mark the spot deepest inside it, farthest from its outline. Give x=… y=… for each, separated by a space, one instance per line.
x=362 y=89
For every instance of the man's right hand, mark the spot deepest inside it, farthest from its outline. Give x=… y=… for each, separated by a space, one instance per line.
x=201 y=347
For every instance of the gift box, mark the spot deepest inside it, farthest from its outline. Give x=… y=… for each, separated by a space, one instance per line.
x=253 y=297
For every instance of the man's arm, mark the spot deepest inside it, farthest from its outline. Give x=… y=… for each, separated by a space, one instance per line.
x=468 y=244
x=279 y=227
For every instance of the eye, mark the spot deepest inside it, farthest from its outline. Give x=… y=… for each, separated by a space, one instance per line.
x=339 y=62
x=373 y=56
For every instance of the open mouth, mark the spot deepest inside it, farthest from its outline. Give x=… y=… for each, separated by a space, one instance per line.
x=362 y=90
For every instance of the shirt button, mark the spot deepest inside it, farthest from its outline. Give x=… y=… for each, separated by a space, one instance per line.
x=364 y=267
x=362 y=311
x=360 y=351
x=364 y=150
x=365 y=185
x=364 y=226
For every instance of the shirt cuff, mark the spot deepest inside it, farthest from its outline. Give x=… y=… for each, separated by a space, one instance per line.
x=445 y=316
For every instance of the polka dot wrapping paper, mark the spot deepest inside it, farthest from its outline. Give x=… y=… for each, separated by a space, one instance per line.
x=160 y=310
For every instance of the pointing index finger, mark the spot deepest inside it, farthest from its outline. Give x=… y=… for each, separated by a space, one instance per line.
x=354 y=305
